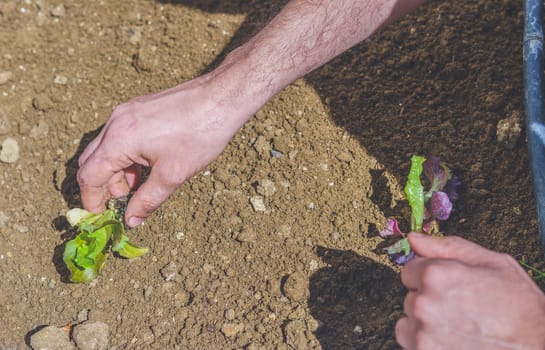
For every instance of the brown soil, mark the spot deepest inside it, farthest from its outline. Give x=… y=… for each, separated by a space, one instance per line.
x=305 y=273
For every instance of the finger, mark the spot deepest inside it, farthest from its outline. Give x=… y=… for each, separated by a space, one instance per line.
x=93 y=176
x=451 y=247
x=405 y=332
x=408 y=303
x=118 y=186
x=411 y=273
x=91 y=147
x=132 y=175
x=149 y=197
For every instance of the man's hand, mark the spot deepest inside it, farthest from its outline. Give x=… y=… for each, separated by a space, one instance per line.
x=176 y=132
x=179 y=131
x=463 y=296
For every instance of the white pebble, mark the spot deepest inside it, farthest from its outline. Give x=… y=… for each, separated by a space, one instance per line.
x=257 y=203
x=10 y=151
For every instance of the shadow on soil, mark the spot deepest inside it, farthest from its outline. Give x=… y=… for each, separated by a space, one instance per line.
x=355 y=300
x=70 y=192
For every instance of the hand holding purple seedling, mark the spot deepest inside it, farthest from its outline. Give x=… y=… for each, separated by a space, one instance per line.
x=427 y=207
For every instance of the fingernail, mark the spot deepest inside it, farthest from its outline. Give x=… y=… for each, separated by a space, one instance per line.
x=135 y=221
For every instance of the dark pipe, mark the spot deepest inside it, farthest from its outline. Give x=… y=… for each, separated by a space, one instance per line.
x=533 y=74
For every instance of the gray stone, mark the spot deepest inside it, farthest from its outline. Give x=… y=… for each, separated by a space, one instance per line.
x=266 y=188
x=91 y=335
x=9 y=153
x=51 y=338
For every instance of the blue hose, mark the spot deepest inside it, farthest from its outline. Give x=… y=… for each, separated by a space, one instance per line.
x=533 y=76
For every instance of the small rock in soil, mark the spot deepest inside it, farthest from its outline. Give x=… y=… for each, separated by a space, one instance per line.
x=146 y=59
x=230 y=314
x=181 y=298
x=160 y=328
x=296 y=286
x=232 y=329
x=60 y=79
x=508 y=131
x=261 y=145
x=39 y=131
x=301 y=125
x=147 y=292
x=42 y=102
x=247 y=235
x=357 y=330
x=135 y=35
x=170 y=272
x=276 y=154
x=10 y=151
x=91 y=335
x=284 y=231
x=58 y=11
x=51 y=338
x=257 y=203
x=41 y=18
x=5 y=77
x=344 y=157
x=83 y=316
x=266 y=188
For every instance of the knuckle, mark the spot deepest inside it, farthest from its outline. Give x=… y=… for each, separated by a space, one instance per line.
x=148 y=203
x=420 y=305
x=432 y=275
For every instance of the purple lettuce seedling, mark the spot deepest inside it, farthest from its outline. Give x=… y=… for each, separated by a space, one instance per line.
x=427 y=206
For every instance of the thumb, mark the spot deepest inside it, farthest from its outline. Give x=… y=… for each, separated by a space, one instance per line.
x=451 y=247
x=149 y=196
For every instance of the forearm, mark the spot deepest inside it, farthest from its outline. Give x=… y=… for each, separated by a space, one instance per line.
x=303 y=36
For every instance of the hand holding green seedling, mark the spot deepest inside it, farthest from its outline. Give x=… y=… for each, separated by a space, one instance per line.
x=426 y=206
x=86 y=254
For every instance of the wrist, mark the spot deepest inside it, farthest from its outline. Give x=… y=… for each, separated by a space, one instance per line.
x=237 y=89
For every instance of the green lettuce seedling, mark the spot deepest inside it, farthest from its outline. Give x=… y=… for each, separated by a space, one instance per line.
x=86 y=254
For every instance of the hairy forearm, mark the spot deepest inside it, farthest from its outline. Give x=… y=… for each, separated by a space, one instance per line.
x=303 y=36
